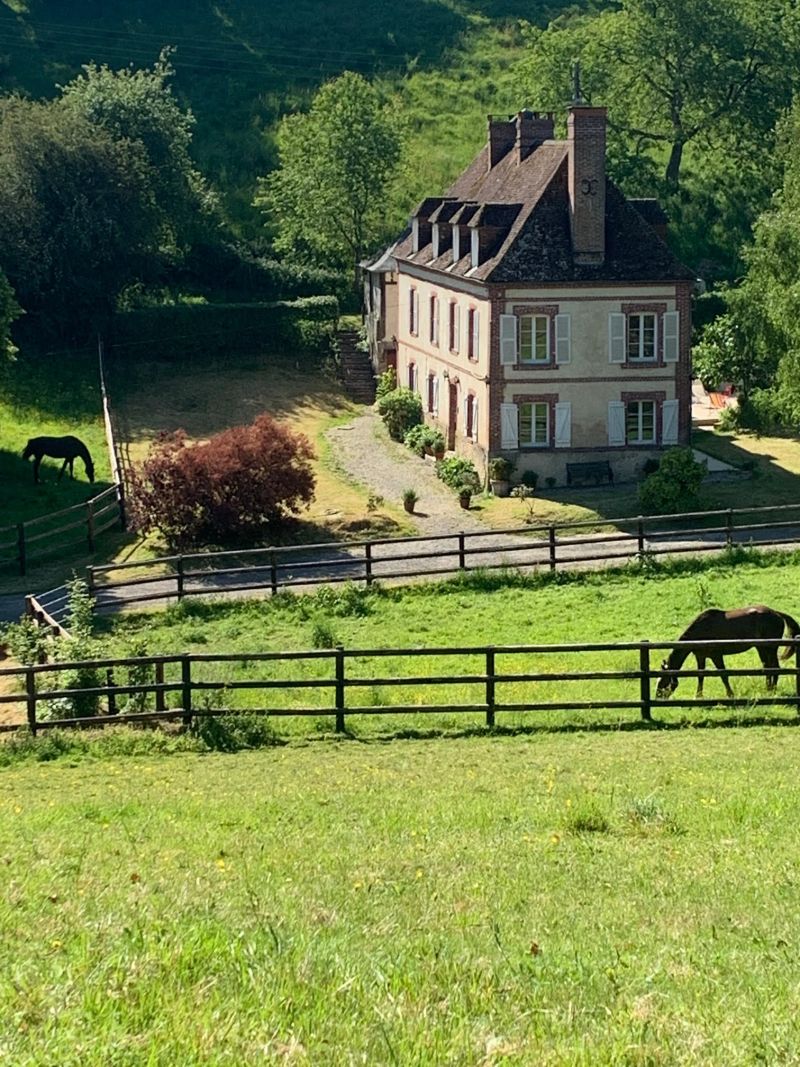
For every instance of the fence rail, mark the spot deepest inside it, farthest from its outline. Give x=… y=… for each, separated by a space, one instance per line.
x=165 y=688
x=532 y=547
x=36 y=539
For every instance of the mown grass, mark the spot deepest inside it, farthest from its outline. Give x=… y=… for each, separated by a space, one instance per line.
x=552 y=899
x=481 y=609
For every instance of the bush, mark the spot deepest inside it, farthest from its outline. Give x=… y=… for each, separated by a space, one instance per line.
x=400 y=410
x=500 y=469
x=530 y=479
x=233 y=487
x=422 y=438
x=387 y=383
x=234 y=731
x=675 y=485
x=456 y=471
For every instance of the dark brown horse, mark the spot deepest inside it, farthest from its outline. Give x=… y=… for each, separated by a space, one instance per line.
x=756 y=623
x=67 y=448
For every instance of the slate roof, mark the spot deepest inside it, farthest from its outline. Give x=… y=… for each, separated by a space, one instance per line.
x=529 y=203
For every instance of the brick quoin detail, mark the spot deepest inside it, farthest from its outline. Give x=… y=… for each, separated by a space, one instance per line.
x=497 y=303
x=683 y=370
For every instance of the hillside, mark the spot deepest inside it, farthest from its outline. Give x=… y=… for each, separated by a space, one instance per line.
x=241 y=64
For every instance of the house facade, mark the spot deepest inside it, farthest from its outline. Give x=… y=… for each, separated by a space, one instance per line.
x=539 y=314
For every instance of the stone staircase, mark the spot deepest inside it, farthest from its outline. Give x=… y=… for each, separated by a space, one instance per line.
x=355 y=367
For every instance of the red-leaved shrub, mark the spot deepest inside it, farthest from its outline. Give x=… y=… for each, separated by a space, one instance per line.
x=231 y=488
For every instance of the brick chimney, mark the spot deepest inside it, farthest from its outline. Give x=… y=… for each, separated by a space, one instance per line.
x=501 y=139
x=586 y=132
x=531 y=129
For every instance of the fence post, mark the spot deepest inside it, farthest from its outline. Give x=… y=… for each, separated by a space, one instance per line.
x=644 y=680
x=551 y=539
x=112 y=698
x=160 y=701
x=340 y=689
x=179 y=577
x=462 y=552
x=21 y=555
x=640 y=536
x=90 y=580
x=186 y=689
x=729 y=528
x=90 y=524
x=123 y=518
x=30 y=693
x=490 y=687
x=368 y=562
x=273 y=574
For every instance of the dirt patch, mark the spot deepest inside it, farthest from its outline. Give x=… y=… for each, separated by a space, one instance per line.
x=10 y=686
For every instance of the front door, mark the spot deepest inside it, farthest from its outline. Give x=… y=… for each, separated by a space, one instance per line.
x=452 y=417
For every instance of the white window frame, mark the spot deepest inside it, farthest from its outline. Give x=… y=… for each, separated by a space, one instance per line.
x=533 y=404
x=640 y=316
x=639 y=440
x=473 y=334
x=453 y=323
x=534 y=357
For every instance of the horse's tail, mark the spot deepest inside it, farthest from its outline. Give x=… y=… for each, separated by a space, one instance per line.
x=793 y=626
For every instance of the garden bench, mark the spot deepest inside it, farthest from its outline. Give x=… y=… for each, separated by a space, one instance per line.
x=597 y=471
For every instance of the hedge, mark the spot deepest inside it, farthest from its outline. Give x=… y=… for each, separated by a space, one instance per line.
x=184 y=331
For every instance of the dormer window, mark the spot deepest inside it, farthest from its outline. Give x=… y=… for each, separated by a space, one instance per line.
x=435 y=239
x=415 y=234
x=474 y=247
x=456 y=244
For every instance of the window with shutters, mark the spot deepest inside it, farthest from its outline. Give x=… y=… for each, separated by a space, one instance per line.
x=534 y=339
x=412 y=377
x=469 y=429
x=640 y=422
x=434 y=314
x=431 y=394
x=413 y=312
x=453 y=327
x=641 y=337
x=534 y=424
x=472 y=334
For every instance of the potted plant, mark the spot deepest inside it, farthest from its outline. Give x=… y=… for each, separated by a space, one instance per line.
x=437 y=445
x=465 y=491
x=410 y=498
x=500 y=475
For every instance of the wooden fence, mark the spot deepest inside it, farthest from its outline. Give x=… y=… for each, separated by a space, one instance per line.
x=35 y=540
x=537 y=547
x=166 y=688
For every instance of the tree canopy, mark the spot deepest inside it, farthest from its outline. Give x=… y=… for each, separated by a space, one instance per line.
x=328 y=196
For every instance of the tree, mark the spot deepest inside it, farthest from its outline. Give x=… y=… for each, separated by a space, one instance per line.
x=328 y=195
x=733 y=349
x=9 y=311
x=138 y=106
x=236 y=486
x=78 y=218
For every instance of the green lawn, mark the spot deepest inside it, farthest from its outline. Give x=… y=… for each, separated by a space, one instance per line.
x=579 y=609
x=606 y=898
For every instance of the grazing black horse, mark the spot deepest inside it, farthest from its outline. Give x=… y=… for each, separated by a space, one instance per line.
x=66 y=448
x=756 y=623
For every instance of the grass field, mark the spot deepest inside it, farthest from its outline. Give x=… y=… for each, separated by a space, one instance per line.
x=499 y=610
x=565 y=899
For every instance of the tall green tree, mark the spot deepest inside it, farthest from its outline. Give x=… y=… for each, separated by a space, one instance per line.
x=9 y=311
x=78 y=217
x=138 y=105
x=329 y=194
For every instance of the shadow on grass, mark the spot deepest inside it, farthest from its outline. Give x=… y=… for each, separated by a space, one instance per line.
x=771 y=482
x=63 y=385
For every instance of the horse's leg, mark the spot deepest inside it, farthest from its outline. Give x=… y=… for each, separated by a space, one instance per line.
x=63 y=468
x=37 y=462
x=701 y=666
x=769 y=661
x=71 y=462
x=719 y=663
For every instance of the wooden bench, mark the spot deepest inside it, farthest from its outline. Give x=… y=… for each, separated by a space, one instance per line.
x=597 y=471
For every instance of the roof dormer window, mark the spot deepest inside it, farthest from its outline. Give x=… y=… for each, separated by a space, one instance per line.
x=474 y=251
x=435 y=239
x=415 y=234
x=456 y=244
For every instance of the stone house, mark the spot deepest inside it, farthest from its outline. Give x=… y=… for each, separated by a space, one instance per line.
x=539 y=314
